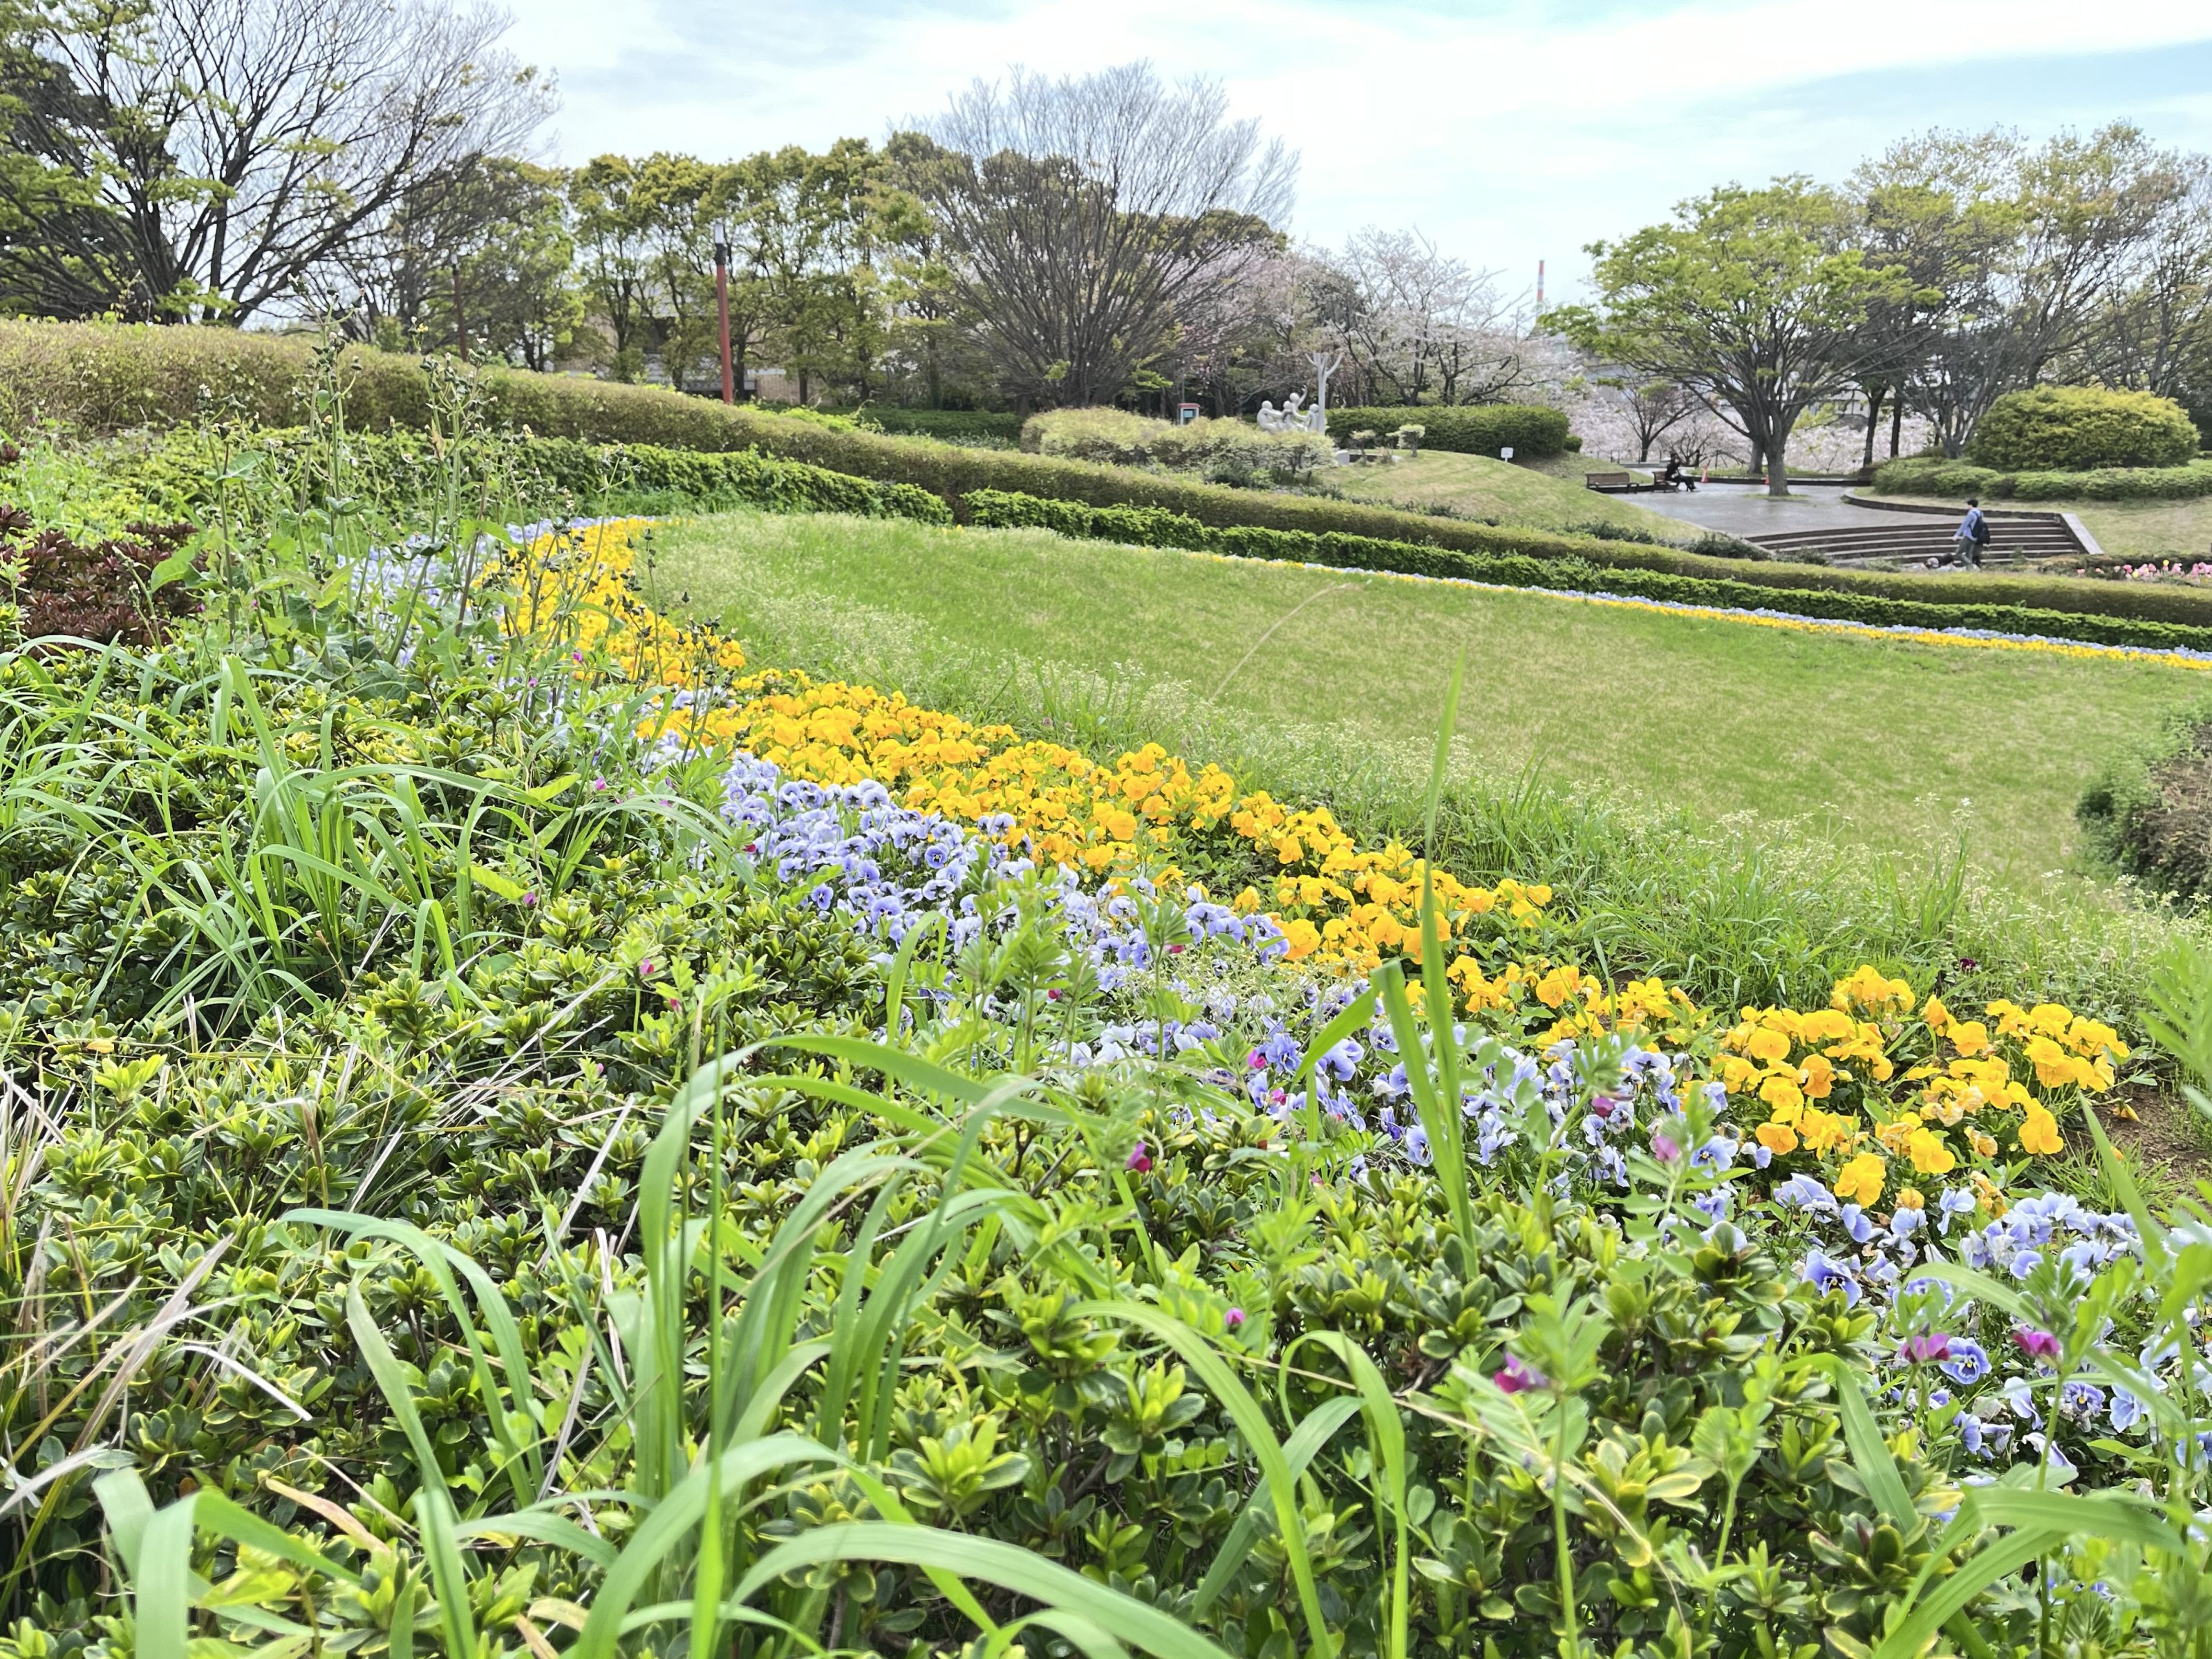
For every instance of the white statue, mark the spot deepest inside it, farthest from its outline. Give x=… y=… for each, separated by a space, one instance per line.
x=1294 y=418
x=1269 y=420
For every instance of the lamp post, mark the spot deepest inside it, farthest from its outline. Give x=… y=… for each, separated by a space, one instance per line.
x=722 y=310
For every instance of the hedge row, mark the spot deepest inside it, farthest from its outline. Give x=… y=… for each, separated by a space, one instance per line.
x=1933 y=474
x=104 y=378
x=179 y=477
x=1472 y=429
x=1153 y=527
x=942 y=423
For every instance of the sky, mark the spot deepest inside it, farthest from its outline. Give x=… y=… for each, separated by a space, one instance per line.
x=1506 y=132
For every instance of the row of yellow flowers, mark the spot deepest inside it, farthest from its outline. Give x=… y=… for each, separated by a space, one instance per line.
x=1869 y=1085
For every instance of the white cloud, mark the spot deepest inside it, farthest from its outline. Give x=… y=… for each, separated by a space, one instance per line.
x=1508 y=132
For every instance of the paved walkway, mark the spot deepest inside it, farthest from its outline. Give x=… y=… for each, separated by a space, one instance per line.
x=1747 y=510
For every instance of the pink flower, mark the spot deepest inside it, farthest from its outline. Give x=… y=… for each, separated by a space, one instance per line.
x=2036 y=1344
x=1234 y=1318
x=1925 y=1349
x=530 y=900
x=1601 y=1107
x=1051 y=995
x=1516 y=1376
x=1256 y=1061
x=1663 y=1148
x=1140 y=1161
x=645 y=968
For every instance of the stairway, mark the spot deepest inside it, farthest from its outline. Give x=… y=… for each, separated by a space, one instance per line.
x=2017 y=537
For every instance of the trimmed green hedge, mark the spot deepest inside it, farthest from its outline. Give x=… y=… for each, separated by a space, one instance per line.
x=180 y=476
x=1933 y=474
x=1466 y=430
x=101 y=377
x=1151 y=527
x=942 y=424
x=2075 y=428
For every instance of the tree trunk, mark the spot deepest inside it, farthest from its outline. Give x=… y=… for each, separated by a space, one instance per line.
x=1873 y=418
x=1896 y=426
x=1777 y=470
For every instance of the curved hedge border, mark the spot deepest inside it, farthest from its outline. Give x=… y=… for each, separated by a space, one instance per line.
x=104 y=378
x=1152 y=527
x=1931 y=475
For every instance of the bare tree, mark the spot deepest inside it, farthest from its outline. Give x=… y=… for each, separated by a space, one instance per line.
x=238 y=144
x=2156 y=331
x=1417 y=324
x=1082 y=217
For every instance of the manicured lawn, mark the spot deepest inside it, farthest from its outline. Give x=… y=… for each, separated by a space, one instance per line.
x=1475 y=485
x=1890 y=743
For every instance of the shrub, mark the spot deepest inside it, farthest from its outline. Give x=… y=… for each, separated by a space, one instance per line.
x=2075 y=429
x=1149 y=527
x=2148 y=814
x=1224 y=452
x=1528 y=430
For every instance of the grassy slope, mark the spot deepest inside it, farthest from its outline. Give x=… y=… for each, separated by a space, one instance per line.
x=2130 y=530
x=1481 y=487
x=1717 y=716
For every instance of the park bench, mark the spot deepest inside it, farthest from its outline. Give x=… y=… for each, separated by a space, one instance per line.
x=1615 y=483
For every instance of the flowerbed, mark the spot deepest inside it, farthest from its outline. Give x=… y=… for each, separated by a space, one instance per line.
x=1048 y=1255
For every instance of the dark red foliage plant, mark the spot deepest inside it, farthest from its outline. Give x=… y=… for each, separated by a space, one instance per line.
x=100 y=591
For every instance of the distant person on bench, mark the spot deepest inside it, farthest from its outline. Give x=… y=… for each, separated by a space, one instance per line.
x=1674 y=477
x=1972 y=535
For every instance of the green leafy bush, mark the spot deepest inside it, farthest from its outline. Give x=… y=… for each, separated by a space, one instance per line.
x=2148 y=813
x=1150 y=527
x=2075 y=429
x=1528 y=430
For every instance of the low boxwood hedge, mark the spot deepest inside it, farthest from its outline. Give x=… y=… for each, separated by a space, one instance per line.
x=1528 y=430
x=1934 y=474
x=1151 y=526
x=942 y=423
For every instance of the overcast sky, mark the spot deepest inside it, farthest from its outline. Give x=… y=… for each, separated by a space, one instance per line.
x=1508 y=132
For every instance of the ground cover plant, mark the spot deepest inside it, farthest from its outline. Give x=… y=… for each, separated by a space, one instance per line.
x=537 y=1133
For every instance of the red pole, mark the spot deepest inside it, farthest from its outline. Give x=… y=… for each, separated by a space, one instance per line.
x=722 y=309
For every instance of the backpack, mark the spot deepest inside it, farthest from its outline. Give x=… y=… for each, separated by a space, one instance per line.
x=1981 y=528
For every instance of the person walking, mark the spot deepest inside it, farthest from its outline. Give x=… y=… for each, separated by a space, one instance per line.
x=1972 y=535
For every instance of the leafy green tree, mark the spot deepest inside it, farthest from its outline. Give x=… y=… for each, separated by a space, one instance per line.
x=609 y=227
x=1754 y=298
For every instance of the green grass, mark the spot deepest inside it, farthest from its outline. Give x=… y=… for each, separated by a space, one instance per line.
x=1889 y=745
x=1481 y=488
